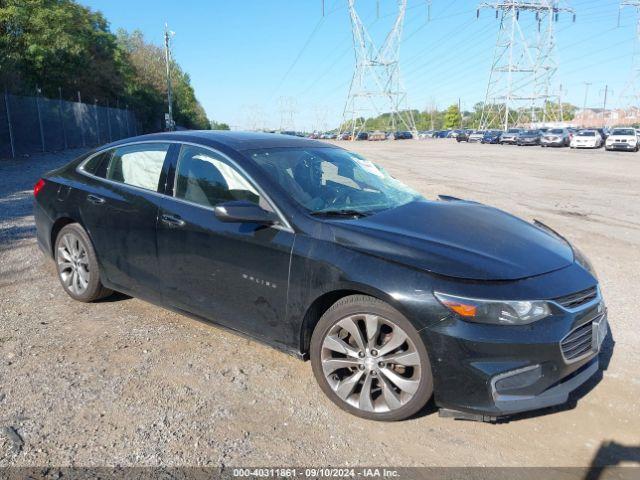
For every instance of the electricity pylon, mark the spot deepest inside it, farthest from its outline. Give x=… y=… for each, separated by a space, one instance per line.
x=288 y=110
x=630 y=94
x=519 y=89
x=376 y=86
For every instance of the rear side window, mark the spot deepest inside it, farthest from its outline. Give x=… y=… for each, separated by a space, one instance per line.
x=138 y=165
x=97 y=165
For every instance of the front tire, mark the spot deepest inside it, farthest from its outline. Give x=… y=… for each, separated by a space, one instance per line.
x=77 y=265
x=370 y=360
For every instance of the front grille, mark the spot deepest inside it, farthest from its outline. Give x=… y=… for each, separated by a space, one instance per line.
x=575 y=300
x=578 y=343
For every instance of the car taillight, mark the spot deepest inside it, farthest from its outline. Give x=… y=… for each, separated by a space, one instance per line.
x=37 y=187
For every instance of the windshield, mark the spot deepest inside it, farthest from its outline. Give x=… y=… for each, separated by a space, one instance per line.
x=513 y=130
x=587 y=133
x=333 y=180
x=623 y=131
x=557 y=131
x=531 y=132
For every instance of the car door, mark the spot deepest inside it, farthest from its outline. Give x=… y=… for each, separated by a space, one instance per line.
x=233 y=273
x=119 y=209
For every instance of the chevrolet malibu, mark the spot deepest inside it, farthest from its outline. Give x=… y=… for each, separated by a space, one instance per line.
x=395 y=298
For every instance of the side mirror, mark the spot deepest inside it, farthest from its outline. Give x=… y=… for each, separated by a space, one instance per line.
x=244 y=212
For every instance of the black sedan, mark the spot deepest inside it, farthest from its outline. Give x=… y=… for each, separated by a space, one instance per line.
x=529 y=137
x=321 y=253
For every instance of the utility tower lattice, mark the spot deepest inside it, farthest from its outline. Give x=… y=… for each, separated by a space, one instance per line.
x=376 y=87
x=288 y=109
x=630 y=94
x=519 y=90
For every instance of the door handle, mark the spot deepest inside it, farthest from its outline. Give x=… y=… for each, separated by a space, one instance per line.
x=173 y=220
x=95 y=199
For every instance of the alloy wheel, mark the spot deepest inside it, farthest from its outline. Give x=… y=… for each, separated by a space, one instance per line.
x=371 y=363
x=73 y=264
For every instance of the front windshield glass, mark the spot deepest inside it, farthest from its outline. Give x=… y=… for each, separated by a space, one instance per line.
x=623 y=131
x=532 y=132
x=587 y=133
x=557 y=131
x=333 y=180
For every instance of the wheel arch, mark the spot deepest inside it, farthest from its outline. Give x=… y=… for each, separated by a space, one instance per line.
x=58 y=225
x=322 y=303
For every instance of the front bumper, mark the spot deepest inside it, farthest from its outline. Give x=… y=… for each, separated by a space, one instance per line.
x=620 y=146
x=552 y=143
x=495 y=371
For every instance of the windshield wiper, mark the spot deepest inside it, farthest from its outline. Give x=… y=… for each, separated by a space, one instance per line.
x=345 y=212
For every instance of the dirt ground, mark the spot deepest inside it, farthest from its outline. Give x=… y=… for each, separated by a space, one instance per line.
x=123 y=382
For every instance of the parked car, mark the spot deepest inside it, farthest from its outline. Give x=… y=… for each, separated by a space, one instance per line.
x=243 y=229
x=555 y=137
x=442 y=134
x=362 y=136
x=377 y=136
x=622 y=139
x=476 y=136
x=586 y=139
x=402 y=135
x=529 y=137
x=463 y=136
x=604 y=133
x=510 y=136
x=491 y=136
x=345 y=136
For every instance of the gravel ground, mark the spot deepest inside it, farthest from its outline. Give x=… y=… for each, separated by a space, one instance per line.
x=123 y=382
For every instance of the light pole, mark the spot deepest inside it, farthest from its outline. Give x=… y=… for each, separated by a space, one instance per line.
x=168 y=34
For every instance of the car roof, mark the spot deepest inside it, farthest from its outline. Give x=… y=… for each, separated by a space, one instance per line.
x=233 y=139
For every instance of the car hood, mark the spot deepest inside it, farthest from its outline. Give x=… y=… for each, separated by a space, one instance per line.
x=457 y=239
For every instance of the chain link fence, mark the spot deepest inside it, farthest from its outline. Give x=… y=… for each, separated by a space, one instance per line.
x=36 y=124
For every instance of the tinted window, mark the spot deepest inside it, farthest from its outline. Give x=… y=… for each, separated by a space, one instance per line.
x=97 y=165
x=587 y=134
x=205 y=178
x=138 y=165
x=557 y=131
x=623 y=131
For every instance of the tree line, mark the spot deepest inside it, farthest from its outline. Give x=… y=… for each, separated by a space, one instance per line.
x=452 y=117
x=59 y=48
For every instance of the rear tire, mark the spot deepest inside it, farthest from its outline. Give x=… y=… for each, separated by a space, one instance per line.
x=370 y=360
x=77 y=265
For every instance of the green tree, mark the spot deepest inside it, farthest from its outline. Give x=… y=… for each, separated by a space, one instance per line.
x=452 y=117
x=59 y=44
x=219 y=126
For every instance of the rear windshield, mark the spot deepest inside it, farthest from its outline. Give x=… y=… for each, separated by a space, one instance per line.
x=587 y=134
x=623 y=131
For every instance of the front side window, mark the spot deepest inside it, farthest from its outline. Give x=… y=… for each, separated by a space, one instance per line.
x=330 y=179
x=138 y=165
x=208 y=179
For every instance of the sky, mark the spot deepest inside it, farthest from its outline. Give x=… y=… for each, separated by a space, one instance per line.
x=248 y=58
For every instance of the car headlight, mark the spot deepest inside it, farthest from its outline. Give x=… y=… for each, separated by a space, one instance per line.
x=582 y=260
x=496 y=312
